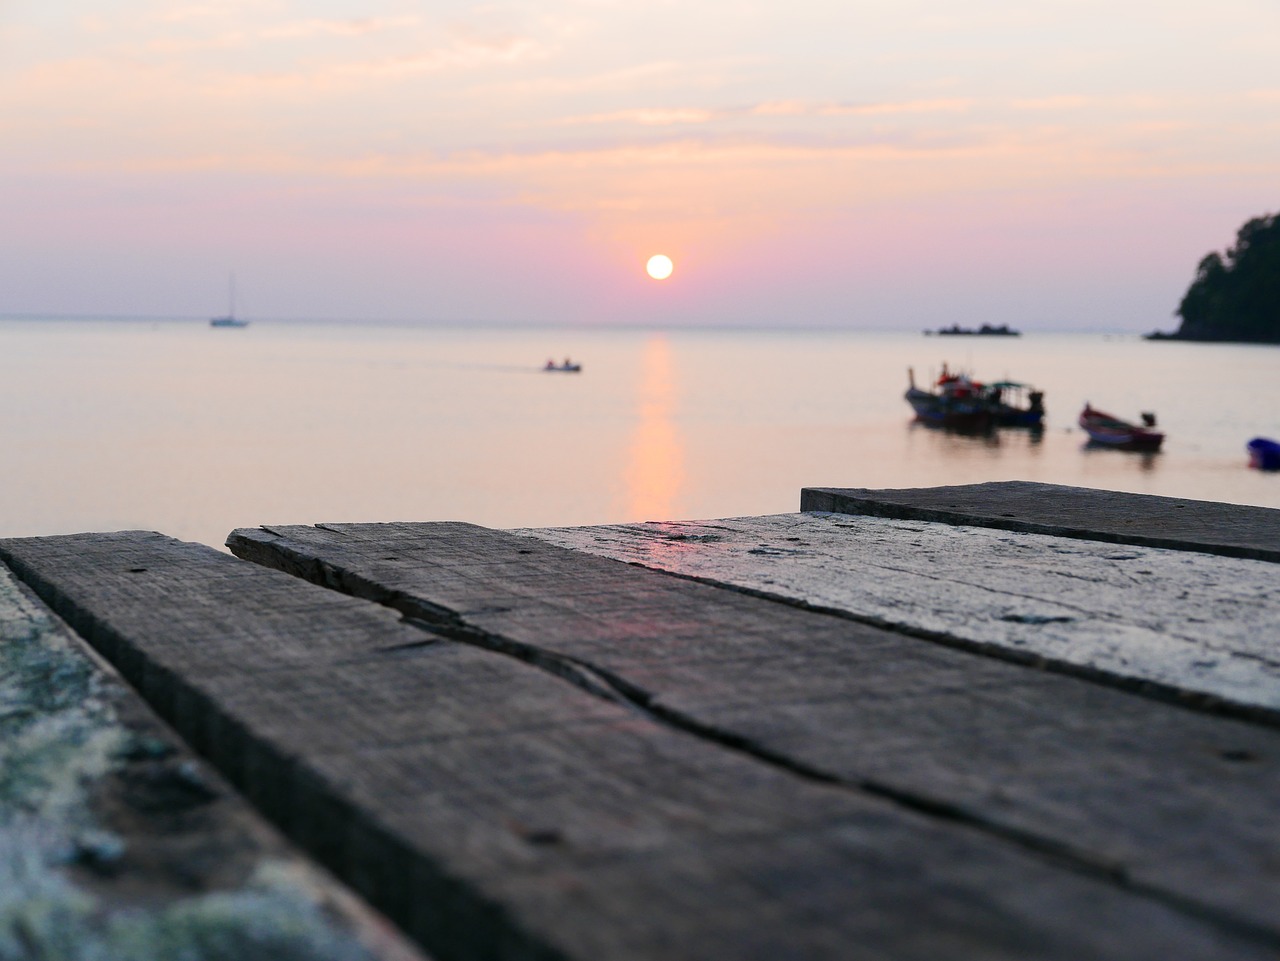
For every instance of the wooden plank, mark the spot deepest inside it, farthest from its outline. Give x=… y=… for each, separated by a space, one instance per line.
x=1173 y=801
x=1195 y=626
x=1229 y=530
x=499 y=811
x=116 y=842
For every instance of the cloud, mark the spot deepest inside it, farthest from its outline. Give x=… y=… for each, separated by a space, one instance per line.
x=895 y=108
x=290 y=30
x=301 y=29
x=782 y=108
x=646 y=117
x=667 y=74
x=461 y=53
x=669 y=116
x=185 y=13
x=1059 y=102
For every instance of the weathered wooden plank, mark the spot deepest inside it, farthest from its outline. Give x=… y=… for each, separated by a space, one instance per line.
x=116 y=842
x=1229 y=530
x=1195 y=625
x=505 y=813
x=1173 y=801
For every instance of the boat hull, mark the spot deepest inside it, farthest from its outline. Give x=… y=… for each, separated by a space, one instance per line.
x=957 y=413
x=1264 y=453
x=1107 y=431
x=1016 y=417
x=1126 y=442
x=962 y=403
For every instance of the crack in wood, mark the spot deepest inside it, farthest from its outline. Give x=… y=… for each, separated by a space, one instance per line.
x=1207 y=643
x=1202 y=701
x=605 y=684
x=1234 y=530
x=1247 y=656
x=1143 y=685
x=412 y=645
x=328 y=527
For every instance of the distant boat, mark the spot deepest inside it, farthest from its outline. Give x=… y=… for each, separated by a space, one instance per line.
x=1111 y=431
x=961 y=402
x=1015 y=405
x=986 y=330
x=958 y=402
x=568 y=367
x=1264 y=453
x=230 y=320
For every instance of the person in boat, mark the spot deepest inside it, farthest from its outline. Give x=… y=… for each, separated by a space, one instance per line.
x=551 y=364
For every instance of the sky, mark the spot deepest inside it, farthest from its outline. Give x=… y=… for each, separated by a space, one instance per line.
x=894 y=164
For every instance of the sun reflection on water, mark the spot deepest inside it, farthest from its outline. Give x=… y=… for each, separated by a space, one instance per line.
x=655 y=466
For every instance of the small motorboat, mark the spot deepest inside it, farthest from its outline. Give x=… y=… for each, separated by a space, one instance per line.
x=1264 y=453
x=568 y=367
x=1111 y=431
x=1015 y=405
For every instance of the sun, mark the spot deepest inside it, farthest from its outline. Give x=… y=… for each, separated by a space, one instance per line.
x=659 y=266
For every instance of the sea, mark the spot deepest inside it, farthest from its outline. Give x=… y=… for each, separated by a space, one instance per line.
x=174 y=426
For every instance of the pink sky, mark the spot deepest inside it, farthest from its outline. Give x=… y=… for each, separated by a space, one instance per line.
x=864 y=164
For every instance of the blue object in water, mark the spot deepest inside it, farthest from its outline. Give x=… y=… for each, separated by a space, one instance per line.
x=1264 y=453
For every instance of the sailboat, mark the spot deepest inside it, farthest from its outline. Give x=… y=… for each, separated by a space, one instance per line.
x=230 y=320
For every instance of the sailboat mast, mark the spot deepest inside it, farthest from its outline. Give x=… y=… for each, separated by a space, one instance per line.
x=230 y=319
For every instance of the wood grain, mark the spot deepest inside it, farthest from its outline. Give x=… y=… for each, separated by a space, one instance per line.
x=497 y=810
x=1170 y=801
x=1195 y=626
x=116 y=842
x=1229 y=530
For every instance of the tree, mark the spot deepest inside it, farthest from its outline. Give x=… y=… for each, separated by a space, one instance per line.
x=1236 y=297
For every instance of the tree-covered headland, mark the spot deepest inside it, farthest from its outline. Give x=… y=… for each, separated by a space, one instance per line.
x=1236 y=294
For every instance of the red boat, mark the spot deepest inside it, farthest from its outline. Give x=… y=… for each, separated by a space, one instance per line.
x=1104 y=428
x=957 y=403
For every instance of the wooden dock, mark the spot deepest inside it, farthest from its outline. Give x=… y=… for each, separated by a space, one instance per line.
x=1001 y=721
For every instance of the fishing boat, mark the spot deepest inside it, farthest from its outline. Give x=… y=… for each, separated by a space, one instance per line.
x=230 y=319
x=568 y=367
x=1015 y=405
x=1264 y=453
x=1111 y=431
x=958 y=402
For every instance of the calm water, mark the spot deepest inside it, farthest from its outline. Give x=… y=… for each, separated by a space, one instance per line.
x=193 y=431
